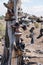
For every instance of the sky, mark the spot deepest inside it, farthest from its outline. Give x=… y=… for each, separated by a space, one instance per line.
x=34 y=7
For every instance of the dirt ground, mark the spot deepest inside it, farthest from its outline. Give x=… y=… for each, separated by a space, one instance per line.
x=36 y=49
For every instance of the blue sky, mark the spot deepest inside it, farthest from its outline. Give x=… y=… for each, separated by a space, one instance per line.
x=34 y=7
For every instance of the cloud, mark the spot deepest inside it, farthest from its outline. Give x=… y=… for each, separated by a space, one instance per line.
x=26 y=0
x=2 y=1
x=30 y=7
x=35 y=10
x=2 y=9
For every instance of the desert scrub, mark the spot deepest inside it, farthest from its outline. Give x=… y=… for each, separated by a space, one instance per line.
x=2 y=30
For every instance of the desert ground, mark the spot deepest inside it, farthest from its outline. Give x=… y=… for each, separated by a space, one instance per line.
x=33 y=50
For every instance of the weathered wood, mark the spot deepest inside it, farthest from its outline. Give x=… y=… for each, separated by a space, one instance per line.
x=11 y=39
